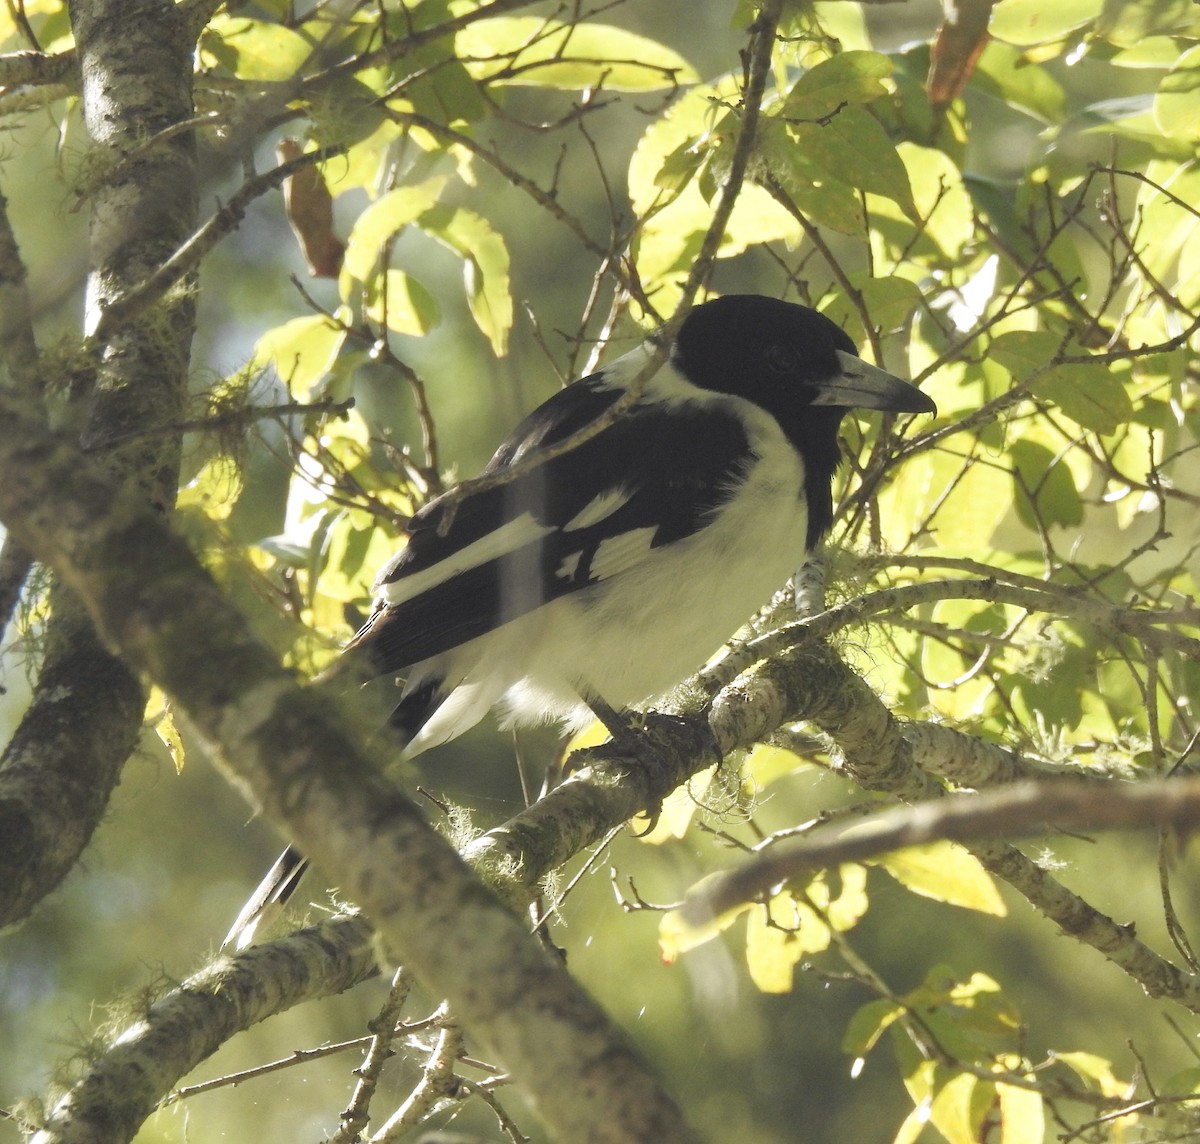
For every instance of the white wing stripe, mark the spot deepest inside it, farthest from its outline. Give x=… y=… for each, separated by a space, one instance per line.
x=598 y=508
x=509 y=537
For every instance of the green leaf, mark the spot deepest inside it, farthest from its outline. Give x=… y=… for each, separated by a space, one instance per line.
x=485 y=268
x=946 y=872
x=891 y=302
x=1177 y=103
x=1045 y=490
x=409 y=308
x=1091 y=394
x=255 y=49
x=1020 y=82
x=526 y=50
x=868 y=1024
x=380 y=221
x=1024 y=352
x=853 y=147
x=1026 y=22
x=847 y=78
x=302 y=351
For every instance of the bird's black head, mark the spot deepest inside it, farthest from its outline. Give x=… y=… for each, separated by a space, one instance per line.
x=797 y=365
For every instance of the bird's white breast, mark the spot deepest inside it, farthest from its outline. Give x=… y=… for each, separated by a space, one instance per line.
x=631 y=638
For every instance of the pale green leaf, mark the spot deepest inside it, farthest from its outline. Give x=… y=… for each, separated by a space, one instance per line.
x=1091 y=394
x=868 y=1024
x=545 y=53
x=485 y=268
x=1021 y=82
x=1024 y=352
x=947 y=873
x=406 y=306
x=302 y=351
x=891 y=302
x=255 y=49
x=381 y=220
x=1177 y=104
x=1025 y=22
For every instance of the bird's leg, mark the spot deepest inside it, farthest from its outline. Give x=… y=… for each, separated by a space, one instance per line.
x=622 y=729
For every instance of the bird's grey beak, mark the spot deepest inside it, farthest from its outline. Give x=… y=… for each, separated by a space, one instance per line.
x=864 y=386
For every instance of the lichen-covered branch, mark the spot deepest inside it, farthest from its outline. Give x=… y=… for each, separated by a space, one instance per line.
x=293 y=754
x=65 y=758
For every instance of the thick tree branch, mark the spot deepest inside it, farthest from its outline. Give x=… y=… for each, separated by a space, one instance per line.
x=292 y=753
x=57 y=773
x=1024 y=809
x=191 y=1022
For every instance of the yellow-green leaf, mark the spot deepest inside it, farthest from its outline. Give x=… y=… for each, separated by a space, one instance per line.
x=1024 y=352
x=545 y=53
x=161 y=715
x=1177 y=103
x=406 y=305
x=946 y=872
x=1045 y=489
x=485 y=268
x=302 y=351
x=255 y=49
x=382 y=219
x=677 y=935
x=1091 y=394
x=956 y=1111
x=1025 y=22
x=1022 y=1115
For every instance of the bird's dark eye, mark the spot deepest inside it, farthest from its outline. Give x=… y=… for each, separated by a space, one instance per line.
x=780 y=359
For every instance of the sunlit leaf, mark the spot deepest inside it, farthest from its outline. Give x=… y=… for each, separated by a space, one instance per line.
x=485 y=268
x=382 y=219
x=1035 y=22
x=676 y=935
x=1177 y=104
x=546 y=53
x=302 y=351
x=1093 y=395
x=781 y=933
x=946 y=872
x=255 y=49
x=1022 y=1114
x=868 y=1024
x=407 y=306
x=1025 y=352
x=160 y=714
x=957 y=1110
x=214 y=490
x=678 y=809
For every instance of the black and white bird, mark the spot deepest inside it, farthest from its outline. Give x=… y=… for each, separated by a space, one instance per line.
x=608 y=572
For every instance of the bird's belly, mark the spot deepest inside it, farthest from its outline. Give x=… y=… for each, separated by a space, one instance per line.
x=632 y=638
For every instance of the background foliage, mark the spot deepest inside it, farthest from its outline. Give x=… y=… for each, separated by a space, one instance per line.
x=1009 y=217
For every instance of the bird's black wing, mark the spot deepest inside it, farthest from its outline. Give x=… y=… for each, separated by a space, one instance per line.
x=479 y=560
